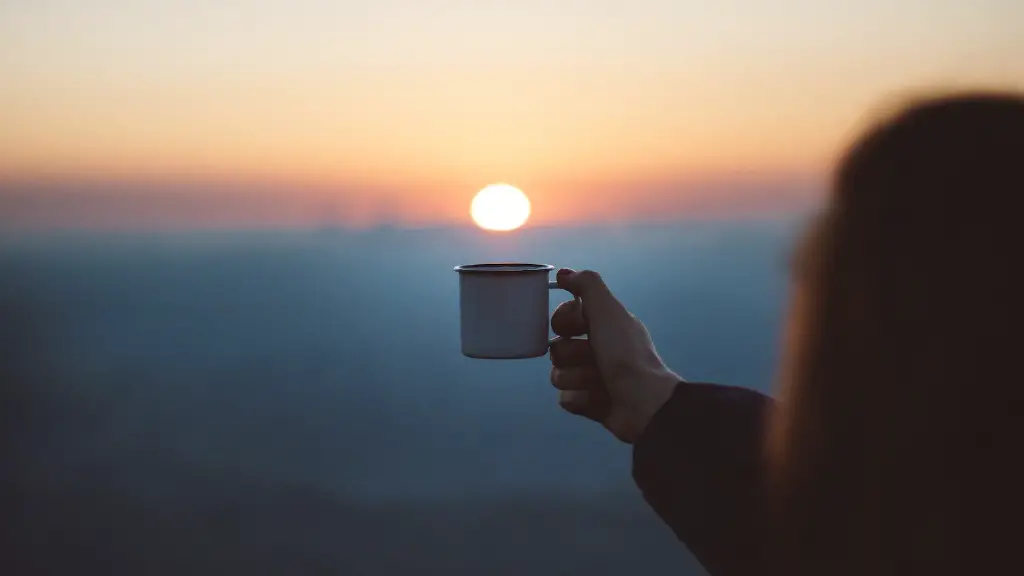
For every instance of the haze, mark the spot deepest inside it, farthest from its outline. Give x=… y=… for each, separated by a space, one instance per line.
x=274 y=402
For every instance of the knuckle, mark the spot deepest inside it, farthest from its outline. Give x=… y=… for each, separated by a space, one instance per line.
x=565 y=400
x=572 y=400
x=563 y=313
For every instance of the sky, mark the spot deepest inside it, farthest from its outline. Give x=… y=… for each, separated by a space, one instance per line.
x=400 y=110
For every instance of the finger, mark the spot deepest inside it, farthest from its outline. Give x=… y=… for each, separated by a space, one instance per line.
x=566 y=353
x=568 y=319
x=598 y=300
x=592 y=404
x=583 y=284
x=578 y=378
x=574 y=401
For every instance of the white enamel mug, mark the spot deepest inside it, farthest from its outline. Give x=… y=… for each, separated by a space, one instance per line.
x=503 y=310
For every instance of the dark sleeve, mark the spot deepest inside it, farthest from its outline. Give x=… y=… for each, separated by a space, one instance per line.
x=698 y=464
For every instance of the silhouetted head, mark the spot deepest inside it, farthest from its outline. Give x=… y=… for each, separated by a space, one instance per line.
x=903 y=348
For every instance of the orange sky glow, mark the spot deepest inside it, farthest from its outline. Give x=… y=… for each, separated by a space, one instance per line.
x=118 y=113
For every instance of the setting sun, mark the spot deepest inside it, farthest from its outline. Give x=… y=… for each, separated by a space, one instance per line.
x=500 y=207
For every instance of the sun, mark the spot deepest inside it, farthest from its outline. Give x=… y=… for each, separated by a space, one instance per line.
x=500 y=207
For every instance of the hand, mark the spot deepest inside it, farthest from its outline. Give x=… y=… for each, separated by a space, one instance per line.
x=615 y=377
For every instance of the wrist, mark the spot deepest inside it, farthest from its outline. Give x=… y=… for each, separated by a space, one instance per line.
x=653 y=391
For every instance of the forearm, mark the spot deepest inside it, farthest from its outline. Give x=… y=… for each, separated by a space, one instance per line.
x=699 y=465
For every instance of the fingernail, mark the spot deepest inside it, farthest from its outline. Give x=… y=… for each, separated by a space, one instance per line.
x=563 y=272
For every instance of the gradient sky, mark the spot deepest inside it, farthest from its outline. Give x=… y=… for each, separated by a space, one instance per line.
x=406 y=107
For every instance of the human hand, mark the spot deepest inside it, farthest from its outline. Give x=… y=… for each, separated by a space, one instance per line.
x=615 y=376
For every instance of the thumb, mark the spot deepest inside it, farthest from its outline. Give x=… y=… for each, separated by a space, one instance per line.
x=583 y=284
x=599 y=304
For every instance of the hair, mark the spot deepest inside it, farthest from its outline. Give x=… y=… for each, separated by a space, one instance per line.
x=892 y=446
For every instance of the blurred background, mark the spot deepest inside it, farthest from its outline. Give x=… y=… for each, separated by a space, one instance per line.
x=228 y=316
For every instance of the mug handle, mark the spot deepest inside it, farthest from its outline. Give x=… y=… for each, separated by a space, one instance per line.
x=553 y=285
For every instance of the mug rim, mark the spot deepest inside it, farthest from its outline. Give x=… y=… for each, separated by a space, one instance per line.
x=504 y=268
